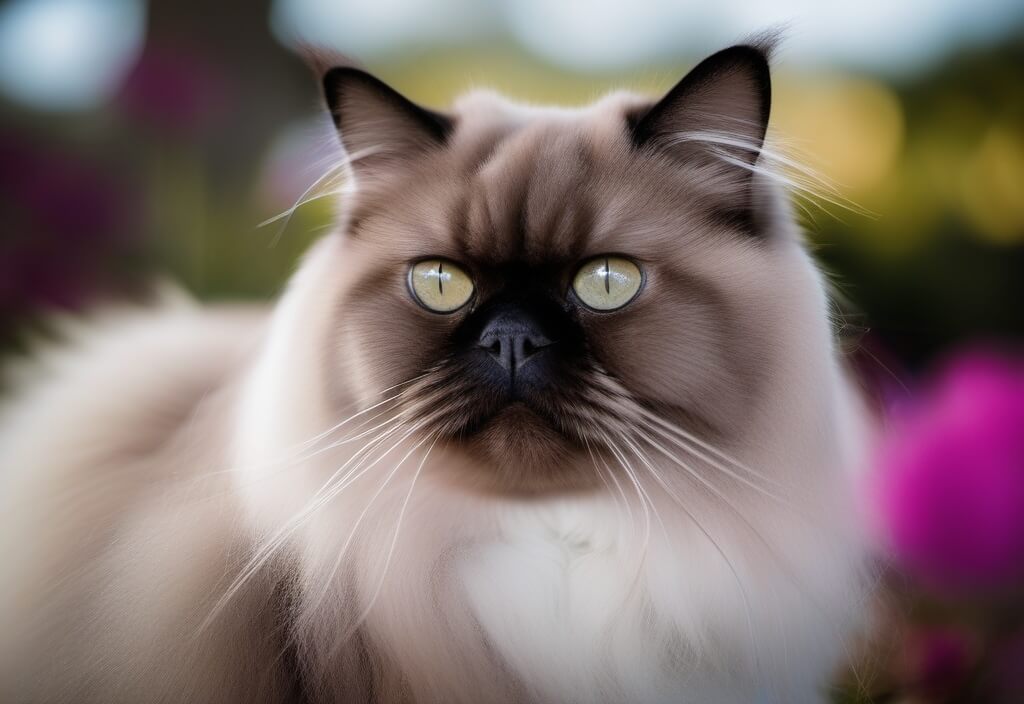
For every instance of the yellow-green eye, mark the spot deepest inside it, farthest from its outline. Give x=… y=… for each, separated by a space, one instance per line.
x=440 y=285
x=607 y=283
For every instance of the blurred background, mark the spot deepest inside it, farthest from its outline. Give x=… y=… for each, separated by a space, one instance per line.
x=150 y=139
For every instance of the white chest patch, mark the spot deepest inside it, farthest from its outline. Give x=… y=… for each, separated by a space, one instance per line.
x=562 y=596
x=586 y=610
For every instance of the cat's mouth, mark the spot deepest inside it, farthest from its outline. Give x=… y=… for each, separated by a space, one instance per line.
x=517 y=416
x=527 y=440
x=519 y=447
x=516 y=393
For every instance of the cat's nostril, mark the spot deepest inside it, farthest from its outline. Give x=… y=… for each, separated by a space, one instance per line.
x=512 y=341
x=513 y=350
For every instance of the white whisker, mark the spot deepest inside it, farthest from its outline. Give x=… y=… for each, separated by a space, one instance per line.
x=718 y=466
x=394 y=542
x=708 y=447
x=790 y=172
x=330 y=489
x=325 y=587
x=340 y=169
x=330 y=430
x=607 y=475
x=707 y=534
x=645 y=499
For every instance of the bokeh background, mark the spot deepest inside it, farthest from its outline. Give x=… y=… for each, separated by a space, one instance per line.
x=150 y=139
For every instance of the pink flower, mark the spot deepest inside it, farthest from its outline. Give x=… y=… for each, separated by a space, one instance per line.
x=1008 y=672
x=67 y=218
x=174 y=90
x=950 y=490
x=939 y=659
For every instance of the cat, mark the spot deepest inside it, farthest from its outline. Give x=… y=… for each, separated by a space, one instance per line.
x=555 y=415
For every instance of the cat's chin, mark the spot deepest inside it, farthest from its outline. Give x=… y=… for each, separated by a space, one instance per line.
x=519 y=451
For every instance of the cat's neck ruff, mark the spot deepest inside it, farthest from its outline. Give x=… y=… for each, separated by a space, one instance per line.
x=578 y=598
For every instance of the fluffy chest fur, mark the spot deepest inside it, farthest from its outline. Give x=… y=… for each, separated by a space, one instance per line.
x=575 y=600
x=555 y=416
x=659 y=586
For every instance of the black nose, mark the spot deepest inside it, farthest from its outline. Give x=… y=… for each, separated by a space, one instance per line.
x=512 y=339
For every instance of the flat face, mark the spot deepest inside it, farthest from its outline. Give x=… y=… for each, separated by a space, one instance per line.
x=549 y=285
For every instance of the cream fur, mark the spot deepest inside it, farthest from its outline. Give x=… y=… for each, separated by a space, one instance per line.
x=162 y=451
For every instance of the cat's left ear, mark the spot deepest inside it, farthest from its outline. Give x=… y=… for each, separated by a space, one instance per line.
x=720 y=107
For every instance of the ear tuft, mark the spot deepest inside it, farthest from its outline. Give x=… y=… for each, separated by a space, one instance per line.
x=767 y=42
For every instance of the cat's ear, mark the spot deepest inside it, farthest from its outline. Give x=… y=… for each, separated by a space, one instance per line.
x=721 y=107
x=378 y=125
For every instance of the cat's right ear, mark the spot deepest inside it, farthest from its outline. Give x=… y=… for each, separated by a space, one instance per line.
x=720 y=107
x=378 y=126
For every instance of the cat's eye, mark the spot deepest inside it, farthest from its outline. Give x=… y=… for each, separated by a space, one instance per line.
x=607 y=282
x=440 y=285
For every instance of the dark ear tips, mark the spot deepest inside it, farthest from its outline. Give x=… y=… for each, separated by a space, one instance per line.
x=730 y=91
x=332 y=85
x=716 y=116
x=754 y=60
x=346 y=87
x=378 y=123
x=335 y=84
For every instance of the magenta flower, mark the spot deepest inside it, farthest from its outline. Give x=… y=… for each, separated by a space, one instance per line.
x=67 y=218
x=1008 y=675
x=939 y=659
x=950 y=490
x=173 y=90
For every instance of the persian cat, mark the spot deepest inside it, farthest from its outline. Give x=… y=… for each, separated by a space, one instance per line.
x=555 y=415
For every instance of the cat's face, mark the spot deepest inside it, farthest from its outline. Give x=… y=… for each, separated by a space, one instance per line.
x=548 y=277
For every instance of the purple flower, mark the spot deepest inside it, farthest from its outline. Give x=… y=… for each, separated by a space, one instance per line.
x=1008 y=675
x=66 y=216
x=950 y=490
x=939 y=658
x=174 y=90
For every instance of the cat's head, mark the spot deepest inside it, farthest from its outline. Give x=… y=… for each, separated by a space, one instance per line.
x=535 y=282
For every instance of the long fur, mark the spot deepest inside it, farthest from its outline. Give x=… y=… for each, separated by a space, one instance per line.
x=213 y=505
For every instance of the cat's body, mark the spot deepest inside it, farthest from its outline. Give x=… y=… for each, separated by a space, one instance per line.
x=183 y=521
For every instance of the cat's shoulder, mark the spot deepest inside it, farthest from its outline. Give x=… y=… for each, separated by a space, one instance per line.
x=118 y=368
x=120 y=339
